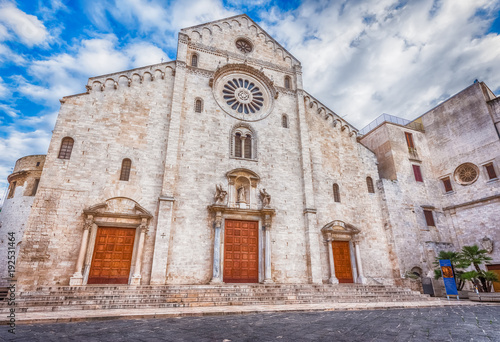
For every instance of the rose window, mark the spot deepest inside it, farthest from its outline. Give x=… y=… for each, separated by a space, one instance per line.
x=243 y=96
x=243 y=45
x=466 y=174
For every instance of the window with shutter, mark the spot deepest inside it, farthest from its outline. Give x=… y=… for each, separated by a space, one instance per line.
x=125 y=172
x=369 y=184
x=447 y=184
x=417 y=173
x=491 y=171
x=66 y=148
x=336 y=193
x=429 y=218
x=409 y=140
x=197 y=106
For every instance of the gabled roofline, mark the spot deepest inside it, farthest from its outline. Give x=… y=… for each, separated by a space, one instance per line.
x=244 y=15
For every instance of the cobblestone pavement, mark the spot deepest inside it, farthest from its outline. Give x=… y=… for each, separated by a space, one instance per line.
x=474 y=323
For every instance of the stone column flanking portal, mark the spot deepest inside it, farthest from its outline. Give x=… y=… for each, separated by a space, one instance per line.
x=361 y=278
x=267 y=251
x=333 y=279
x=216 y=273
x=77 y=278
x=136 y=278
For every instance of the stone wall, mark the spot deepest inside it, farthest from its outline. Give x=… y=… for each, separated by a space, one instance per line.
x=16 y=208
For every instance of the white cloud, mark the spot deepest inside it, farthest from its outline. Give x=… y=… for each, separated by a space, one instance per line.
x=28 y=29
x=4 y=91
x=143 y=53
x=363 y=58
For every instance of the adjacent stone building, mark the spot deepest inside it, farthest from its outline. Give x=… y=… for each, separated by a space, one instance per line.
x=219 y=167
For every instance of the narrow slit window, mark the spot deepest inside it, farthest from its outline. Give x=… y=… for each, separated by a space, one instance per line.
x=369 y=184
x=490 y=169
x=429 y=218
x=336 y=193
x=447 y=184
x=66 y=148
x=237 y=145
x=35 y=187
x=417 y=173
x=194 y=60
x=284 y=121
x=287 y=82
x=248 y=146
x=198 y=106
x=125 y=172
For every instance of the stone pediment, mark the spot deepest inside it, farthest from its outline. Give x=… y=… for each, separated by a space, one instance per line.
x=340 y=229
x=118 y=206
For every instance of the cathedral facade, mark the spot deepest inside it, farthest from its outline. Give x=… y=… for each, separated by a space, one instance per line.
x=218 y=167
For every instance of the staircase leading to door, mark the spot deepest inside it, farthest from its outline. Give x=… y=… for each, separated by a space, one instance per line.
x=168 y=296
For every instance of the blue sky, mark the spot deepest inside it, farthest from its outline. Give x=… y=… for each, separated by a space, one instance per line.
x=360 y=57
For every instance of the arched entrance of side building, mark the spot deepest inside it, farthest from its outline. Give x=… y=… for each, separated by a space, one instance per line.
x=343 y=253
x=112 y=243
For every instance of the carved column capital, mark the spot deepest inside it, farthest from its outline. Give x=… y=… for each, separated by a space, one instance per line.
x=144 y=225
x=89 y=222
x=218 y=219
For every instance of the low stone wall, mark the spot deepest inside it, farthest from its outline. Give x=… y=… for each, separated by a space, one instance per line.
x=485 y=297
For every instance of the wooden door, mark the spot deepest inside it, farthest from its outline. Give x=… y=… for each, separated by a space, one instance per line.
x=495 y=269
x=112 y=256
x=241 y=252
x=342 y=261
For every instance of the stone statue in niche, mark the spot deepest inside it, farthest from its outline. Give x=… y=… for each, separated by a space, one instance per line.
x=265 y=197
x=220 y=194
x=242 y=194
x=487 y=244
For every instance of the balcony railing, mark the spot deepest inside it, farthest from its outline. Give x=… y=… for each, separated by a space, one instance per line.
x=393 y=119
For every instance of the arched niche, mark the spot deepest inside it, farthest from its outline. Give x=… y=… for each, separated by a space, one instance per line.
x=242 y=189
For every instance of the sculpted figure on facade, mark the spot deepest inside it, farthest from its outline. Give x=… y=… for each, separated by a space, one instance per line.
x=265 y=198
x=220 y=194
x=242 y=194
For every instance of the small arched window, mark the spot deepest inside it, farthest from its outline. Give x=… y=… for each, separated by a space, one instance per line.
x=287 y=82
x=284 y=121
x=336 y=193
x=66 y=148
x=126 y=166
x=369 y=184
x=198 y=106
x=194 y=60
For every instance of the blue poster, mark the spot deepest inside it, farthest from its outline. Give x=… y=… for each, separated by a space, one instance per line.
x=449 y=278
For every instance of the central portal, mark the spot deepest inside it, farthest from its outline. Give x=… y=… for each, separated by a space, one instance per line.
x=241 y=252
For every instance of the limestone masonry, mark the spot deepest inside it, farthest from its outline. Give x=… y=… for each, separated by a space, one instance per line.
x=218 y=167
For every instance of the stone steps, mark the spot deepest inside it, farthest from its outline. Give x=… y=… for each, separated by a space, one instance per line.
x=133 y=297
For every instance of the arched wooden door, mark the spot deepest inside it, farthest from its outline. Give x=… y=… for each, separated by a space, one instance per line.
x=241 y=252
x=342 y=261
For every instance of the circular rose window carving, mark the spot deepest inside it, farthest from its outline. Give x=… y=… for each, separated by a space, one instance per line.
x=243 y=96
x=244 y=45
x=466 y=174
